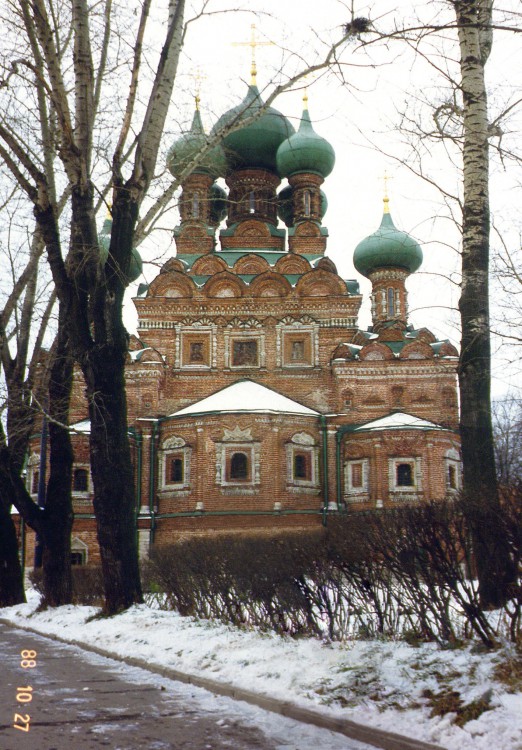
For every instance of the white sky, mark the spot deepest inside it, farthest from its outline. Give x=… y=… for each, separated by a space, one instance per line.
x=360 y=119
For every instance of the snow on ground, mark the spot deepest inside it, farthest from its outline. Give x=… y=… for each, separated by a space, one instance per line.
x=379 y=683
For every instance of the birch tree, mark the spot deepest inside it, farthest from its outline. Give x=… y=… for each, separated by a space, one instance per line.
x=494 y=566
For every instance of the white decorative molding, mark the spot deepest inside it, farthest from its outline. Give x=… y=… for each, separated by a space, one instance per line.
x=238 y=435
x=173 y=442
x=303 y=438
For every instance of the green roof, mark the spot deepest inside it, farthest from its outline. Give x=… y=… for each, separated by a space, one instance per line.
x=255 y=144
x=305 y=151
x=388 y=247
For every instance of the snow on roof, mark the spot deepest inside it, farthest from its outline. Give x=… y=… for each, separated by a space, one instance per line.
x=247 y=396
x=397 y=421
x=83 y=427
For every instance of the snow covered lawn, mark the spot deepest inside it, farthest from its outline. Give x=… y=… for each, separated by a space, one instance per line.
x=386 y=684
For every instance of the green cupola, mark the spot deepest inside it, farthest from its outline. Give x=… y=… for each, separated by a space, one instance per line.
x=186 y=148
x=305 y=151
x=254 y=145
x=388 y=247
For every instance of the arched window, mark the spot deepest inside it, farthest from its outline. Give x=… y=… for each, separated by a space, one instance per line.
x=176 y=470
x=239 y=466
x=391 y=302
x=301 y=466
x=195 y=206
x=307 y=200
x=404 y=475
x=81 y=480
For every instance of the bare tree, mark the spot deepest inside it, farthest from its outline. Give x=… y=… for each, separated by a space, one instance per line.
x=64 y=53
x=507 y=430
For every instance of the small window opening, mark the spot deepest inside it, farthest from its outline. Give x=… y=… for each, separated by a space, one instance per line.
x=195 y=206
x=239 y=466
x=176 y=470
x=81 y=480
x=252 y=202
x=391 y=303
x=35 y=480
x=78 y=557
x=404 y=475
x=307 y=203
x=301 y=466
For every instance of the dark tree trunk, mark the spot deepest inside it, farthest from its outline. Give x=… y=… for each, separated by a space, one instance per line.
x=58 y=514
x=114 y=498
x=11 y=577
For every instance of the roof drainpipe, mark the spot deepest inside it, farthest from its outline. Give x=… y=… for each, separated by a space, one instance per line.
x=152 y=482
x=338 y=438
x=322 y=419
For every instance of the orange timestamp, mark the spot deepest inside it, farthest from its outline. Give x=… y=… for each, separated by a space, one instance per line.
x=25 y=694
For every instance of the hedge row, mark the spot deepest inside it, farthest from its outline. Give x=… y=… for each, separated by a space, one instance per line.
x=406 y=572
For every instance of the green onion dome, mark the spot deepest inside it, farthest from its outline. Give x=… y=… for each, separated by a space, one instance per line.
x=388 y=247
x=256 y=144
x=305 y=151
x=186 y=148
x=104 y=241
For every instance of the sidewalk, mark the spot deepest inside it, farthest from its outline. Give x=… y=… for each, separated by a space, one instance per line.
x=375 y=737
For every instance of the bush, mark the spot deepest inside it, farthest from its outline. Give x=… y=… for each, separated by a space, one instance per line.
x=87 y=584
x=399 y=572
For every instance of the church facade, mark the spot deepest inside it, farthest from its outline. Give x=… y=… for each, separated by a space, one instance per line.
x=255 y=401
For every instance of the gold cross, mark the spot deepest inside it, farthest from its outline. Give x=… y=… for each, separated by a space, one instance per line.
x=386 y=199
x=253 y=43
x=198 y=77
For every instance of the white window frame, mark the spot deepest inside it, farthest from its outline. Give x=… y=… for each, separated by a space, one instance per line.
x=246 y=334
x=89 y=490
x=400 y=489
x=174 y=446
x=302 y=442
x=253 y=453
x=362 y=492
x=452 y=460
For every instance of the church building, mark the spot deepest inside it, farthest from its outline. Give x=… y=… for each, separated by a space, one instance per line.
x=255 y=401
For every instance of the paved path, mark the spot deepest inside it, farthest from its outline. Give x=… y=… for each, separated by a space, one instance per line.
x=64 y=698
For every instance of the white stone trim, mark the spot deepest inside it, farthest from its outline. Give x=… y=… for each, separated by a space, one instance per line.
x=246 y=334
x=415 y=462
x=302 y=442
x=177 y=446
x=253 y=452
x=360 y=493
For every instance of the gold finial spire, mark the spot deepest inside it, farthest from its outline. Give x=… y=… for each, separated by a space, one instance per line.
x=198 y=78
x=253 y=43
x=305 y=93
x=386 y=199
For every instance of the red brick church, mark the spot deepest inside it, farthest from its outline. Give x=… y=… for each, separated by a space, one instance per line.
x=255 y=402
